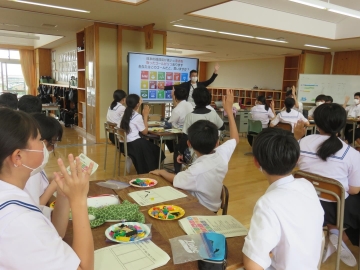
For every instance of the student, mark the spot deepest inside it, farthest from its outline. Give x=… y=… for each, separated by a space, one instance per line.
x=298 y=105
x=28 y=238
x=9 y=100
x=143 y=153
x=182 y=108
x=287 y=220
x=325 y=154
x=191 y=85
x=353 y=111
x=289 y=116
x=38 y=186
x=206 y=175
x=329 y=99
x=30 y=104
x=116 y=110
x=320 y=99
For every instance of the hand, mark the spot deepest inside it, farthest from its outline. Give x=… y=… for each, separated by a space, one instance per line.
x=272 y=105
x=146 y=110
x=180 y=159
x=228 y=101
x=293 y=90
x=156 y=172
x=299 y=130
x=74 y=186
x=216 y=68
x=347 y=98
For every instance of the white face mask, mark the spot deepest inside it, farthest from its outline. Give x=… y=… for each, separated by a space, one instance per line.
x=194 y=79
x=356 y=101
x=319 y=103
x=44 y=162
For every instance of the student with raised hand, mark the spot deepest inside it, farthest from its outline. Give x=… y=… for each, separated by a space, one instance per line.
x=25 y=231
x=289 y=116
x=320 y=99
x=116 y=110
x=326 y=155
x=204 y=178
x=292 y=94
x=143 y=153
x=9 y=100
x=287 y=220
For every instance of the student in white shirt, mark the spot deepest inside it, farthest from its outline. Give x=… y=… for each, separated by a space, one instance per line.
x=28 y=240
x=262 y=112
x=289 y=116
x=325 y=154
x=143 y=153
x=287 y=220
x=204 y=178
x=298 y=105
x=182 y=108
x=353 y=111
x=320 y=99
x=116 y=110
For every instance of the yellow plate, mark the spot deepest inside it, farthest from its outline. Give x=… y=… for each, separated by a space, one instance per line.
x=175 y=209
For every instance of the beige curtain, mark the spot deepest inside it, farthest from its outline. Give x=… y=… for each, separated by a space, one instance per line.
x=28 y=69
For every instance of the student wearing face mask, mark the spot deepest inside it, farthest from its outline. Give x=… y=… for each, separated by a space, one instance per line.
x=38 y=186
x=353 y=111
x=320 y=99
x=191 y=85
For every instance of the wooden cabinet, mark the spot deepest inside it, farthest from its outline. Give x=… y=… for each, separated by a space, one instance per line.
x=292 y=68
x=80 y=50
x=42 y=63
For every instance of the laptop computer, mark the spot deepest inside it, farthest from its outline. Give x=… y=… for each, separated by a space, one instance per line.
x=218 y=104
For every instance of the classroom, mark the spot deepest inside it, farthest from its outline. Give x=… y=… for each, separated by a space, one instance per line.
x=163 y=134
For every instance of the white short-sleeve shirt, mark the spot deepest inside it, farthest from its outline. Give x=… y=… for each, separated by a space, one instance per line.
x=28 y=239
x=311 y=111
x=211 y=116
x=353 y=110
x=114 y=115
x=179 y=113
x=136 y=125
x=291 y=118
x=301 y=107
x=258 y=112
x=190 y=98
x=36 y=186
x=287 y=221
x=343 y=166
x=204 y=178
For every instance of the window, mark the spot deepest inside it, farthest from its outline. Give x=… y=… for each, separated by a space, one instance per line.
x=11 y=77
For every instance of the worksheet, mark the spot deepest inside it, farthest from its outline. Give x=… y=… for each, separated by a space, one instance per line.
x=134 y=256
x=156 y=195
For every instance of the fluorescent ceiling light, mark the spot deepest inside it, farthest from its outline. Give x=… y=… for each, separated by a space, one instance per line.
x=274 y=40
x=317 y=4
x=50 y=6
x=238 y=35
x=330 y=7
x=19 y=36
x=171 y=51
x=195 y=28
x=315 y=46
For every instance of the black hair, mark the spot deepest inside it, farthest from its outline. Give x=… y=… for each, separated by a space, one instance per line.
x=288 y=93
x=289 y=104
x=9 y=100
x=201 y=96
x=117 y=96
x=331 y=119
x=357 y=94
x=49 y=127
x=131 y=101
x=180 y=93
x=193 y=71
x=276 y=150
x=30 y=104
x=320 y=97
x=262 y=99
x=329 y=98
x=203 y=136
x=16 y=129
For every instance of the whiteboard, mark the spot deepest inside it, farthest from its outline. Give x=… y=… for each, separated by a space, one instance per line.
x=337 y=86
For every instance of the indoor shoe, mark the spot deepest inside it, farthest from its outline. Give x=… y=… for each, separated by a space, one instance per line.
x=330 y=249
x=346 y=256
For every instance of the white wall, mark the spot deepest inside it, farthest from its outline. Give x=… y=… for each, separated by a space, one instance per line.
x=264 y=73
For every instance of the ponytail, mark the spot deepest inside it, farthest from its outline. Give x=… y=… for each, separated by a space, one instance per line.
x=289 y=104
x=118 y=96
x=330 y=118
x=262 y=99
x=131 y=102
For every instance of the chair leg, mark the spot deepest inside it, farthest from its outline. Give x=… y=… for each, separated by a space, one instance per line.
x=119 y=163
x=125 y=165
x=116 y=150
x=106 y=146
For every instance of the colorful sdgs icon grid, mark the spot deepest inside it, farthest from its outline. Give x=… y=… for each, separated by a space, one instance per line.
x=153 y=83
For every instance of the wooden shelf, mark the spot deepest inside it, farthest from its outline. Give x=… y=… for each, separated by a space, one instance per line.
x=80 y=112
x=80 y=88
x=290 y=80
x=60 y=85
x=83 y=69
x=81 y=51
x=291 y=68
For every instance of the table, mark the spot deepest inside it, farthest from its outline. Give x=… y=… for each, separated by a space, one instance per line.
x=50 y=107
x=311 y=127
x=354 y=123
x=124 y=193
x=162 y=230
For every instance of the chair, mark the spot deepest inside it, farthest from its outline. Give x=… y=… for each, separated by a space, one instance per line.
x=254 y=128
x=284 y=126
x=120 y=136
x=331 y=190
x=224 y=200
x=109 y=129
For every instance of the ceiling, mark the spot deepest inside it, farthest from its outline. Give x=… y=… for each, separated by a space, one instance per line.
x=25 y=18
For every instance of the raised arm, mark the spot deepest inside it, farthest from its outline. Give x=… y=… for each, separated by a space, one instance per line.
x=228 y=102
x=145 y=114
x=213 y=77
x=294 y=96
x=346 y=101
